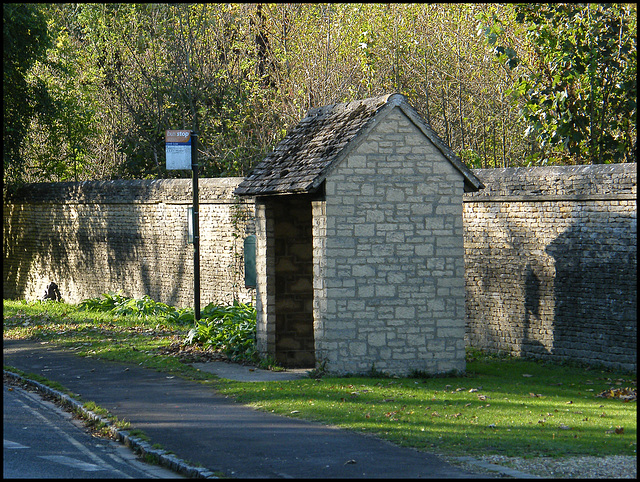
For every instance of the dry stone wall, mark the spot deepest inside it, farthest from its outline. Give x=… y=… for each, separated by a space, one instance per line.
x=550 y=253
x=550 y=263
x=130 y=236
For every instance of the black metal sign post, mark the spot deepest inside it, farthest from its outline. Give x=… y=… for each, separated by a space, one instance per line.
x=196 y=227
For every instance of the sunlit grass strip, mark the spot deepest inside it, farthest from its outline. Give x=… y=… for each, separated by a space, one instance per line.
x=123 y=338
x=482 y=414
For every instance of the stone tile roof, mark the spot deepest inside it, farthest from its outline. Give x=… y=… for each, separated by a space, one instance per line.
x=302 y=160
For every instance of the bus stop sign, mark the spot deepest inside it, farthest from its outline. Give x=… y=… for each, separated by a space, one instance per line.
x=178 y=149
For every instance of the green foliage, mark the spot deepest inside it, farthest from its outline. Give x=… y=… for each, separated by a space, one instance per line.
x=60 y=148
x=25 y=40
x=503 y=405
x=128 y=338
x=471 y=158
x=577 y=90
x=118 y=304
x=155 y=61
x=94 y=102
x=230 y=329
x=107 y=302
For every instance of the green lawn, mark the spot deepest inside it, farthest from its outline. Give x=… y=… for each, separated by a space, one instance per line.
x=503 y=405
x=508 y=407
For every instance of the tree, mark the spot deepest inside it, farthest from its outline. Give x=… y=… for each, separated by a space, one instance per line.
x=62 y=148
x=25 y=40
x=180 y=66
x=578 y=89
x=116 y=76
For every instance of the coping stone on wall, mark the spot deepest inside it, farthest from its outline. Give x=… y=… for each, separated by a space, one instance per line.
x=618 y=180
x=126 y=191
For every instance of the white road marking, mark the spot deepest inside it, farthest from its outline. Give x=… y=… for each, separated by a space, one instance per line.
x=123 y=454
x=8 y=444
x=102 y=463
x=71 y=462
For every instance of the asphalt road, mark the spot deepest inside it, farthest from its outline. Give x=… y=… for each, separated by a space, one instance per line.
x=43 y=441
x=201 y=426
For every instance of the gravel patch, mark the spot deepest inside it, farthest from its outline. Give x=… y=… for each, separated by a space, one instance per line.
x=586 y=467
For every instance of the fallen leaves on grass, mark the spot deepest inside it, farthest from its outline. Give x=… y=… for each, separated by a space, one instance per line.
x=625 y=394
x=192 y=353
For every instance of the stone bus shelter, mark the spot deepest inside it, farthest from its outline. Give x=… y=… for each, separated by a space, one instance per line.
x=359 y=250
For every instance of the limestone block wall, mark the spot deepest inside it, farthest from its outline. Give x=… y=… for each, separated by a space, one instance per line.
x=550 y=254
x=551 y=263
x=95 y=237
x=265 y=274
x=389 y=284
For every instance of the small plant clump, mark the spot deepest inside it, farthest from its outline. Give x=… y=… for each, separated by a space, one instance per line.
x=230 y=329
x=118 y=304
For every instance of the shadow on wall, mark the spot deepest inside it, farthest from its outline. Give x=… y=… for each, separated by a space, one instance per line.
x=88 y=248
x=569 y=297
x=534 y=312
x=509 y=289
x=595 y=290
x=137 y=256
x=37 y=251
x=132 y=255
x=17 y=258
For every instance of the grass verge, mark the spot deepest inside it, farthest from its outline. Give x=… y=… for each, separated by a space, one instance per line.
x=503 y=405
x=506 y=406
x=124 y=338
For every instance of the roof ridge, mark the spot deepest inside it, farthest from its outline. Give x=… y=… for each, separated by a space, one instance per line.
x=302 y=160
x=387 y=99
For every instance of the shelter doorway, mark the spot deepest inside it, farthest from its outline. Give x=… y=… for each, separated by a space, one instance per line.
x=294 y=334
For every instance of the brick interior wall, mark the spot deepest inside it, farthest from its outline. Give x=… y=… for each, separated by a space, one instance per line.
x=294 y=342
